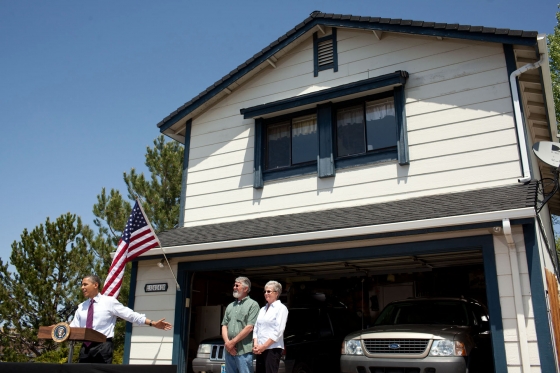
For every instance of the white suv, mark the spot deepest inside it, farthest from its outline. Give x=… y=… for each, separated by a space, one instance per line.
x=423 y=335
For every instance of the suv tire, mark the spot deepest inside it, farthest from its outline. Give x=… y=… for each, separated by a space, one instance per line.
x=302 y=368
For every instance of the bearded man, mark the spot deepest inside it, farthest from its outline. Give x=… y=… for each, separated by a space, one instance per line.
x=237 y=328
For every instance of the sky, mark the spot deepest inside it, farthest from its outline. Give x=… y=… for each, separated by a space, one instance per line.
x=84 y=84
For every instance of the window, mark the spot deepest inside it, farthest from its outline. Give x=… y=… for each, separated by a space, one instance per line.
x=291 y=142
x=333 y=134
x=367 y=127
x=325 y=54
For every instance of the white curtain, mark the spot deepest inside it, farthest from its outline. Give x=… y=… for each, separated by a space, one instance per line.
x=378 y=110
x=349 y=116
x=304 y=125
x=278 y=131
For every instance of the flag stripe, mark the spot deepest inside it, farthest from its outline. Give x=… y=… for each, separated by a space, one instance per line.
x=138 y=237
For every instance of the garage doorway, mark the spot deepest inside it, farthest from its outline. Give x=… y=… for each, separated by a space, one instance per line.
x=362 y=286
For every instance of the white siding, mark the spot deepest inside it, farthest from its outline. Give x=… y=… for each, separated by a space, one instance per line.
x=151 y=345
x=505 y=286
x=459 y=116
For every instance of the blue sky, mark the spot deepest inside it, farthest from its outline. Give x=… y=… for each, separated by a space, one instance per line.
x=83 y=84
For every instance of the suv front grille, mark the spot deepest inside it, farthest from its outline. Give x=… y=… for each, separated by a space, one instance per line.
x=217 y=352
x=396 y=346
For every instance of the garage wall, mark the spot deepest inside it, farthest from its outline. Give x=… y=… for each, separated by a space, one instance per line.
x=507 y=303
x=459 y=114
x=150 y=345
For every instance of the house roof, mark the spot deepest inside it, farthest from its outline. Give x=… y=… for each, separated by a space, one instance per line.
x=447 y=30
x=509 y=197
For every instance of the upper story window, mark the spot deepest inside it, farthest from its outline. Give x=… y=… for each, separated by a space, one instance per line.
x=367 y=127
x=334 y=133
x=324 y=52
x=291 y=142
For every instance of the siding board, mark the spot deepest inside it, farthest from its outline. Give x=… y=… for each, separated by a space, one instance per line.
x=462 y=114
x=456 y=130
x=220 y=173
x=383 y=191
x=228 y=190
x=456 y=85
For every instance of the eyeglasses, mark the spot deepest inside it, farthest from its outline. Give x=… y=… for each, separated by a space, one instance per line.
x=237 y=286
x=269 y=291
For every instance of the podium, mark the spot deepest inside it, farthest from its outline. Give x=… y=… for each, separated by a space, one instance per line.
x=76 y=335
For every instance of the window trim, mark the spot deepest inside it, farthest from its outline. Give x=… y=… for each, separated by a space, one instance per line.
x=366 y=157
x=284 y=172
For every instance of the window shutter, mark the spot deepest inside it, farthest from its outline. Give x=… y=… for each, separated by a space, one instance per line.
x=258 y=159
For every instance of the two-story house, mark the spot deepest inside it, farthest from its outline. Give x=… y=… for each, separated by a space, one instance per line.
x=364 y=160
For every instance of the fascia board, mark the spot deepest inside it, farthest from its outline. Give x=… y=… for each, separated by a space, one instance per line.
x=527 y=212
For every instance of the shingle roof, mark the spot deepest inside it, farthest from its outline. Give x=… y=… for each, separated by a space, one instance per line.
x=429 y=207
x=377 y=23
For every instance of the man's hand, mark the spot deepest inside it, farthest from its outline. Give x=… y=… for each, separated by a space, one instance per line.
x=230 y=345
x=162 y=324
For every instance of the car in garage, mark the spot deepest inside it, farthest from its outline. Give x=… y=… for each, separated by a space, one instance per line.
x=312 y=342
x=422 y=335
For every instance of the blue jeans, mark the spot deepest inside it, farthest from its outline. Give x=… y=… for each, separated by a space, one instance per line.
x=239 y=363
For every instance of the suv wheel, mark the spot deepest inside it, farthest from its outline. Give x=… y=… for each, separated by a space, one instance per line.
x=301 y=368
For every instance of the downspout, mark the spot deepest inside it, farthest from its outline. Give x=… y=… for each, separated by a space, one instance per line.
x=518 y=297
x=519 y=119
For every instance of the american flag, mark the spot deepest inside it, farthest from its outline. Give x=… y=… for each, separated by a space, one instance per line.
x=138 y=237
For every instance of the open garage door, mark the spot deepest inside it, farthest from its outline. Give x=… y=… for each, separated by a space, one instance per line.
x=361 y=287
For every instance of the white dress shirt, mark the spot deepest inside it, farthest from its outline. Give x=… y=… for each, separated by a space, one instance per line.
x=271 y=324
x=105 y=312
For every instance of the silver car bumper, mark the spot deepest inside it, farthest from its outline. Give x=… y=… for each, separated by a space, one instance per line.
x=215 y=366
x=363 y=364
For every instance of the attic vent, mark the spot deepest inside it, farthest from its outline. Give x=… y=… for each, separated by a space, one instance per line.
x=325 y=56
x=325 y=53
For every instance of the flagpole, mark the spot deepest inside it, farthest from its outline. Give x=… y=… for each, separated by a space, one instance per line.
x=159 y=243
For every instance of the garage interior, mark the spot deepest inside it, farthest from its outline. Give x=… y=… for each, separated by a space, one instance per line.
x=363 y=286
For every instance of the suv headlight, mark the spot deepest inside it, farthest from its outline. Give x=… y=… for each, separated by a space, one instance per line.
x=352 y=347
x=204 y=349
x=445 y=347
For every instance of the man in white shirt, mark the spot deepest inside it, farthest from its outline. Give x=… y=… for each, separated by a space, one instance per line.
x=100 y=313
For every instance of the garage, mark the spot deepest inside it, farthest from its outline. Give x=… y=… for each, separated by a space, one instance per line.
x=361 y=286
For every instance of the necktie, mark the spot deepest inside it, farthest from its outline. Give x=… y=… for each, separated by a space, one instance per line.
x=89 y=320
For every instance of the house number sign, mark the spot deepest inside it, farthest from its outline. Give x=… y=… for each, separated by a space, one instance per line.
x=153 y=288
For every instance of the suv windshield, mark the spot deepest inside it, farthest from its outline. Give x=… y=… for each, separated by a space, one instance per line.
x=425 y=312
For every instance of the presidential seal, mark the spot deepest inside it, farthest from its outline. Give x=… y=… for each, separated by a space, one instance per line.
x=60 y=332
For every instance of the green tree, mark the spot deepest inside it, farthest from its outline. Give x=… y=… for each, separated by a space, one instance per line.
x=160 y=197
x=49 y=264
x=554 y=61
x=160 y=194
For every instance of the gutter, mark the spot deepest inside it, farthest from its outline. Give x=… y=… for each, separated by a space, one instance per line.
x=519 y=123
x=458 y=220
x=518 y=298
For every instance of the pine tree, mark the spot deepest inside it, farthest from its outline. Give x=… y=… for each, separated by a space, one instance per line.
x=161 y=195
x=49 y=264
x=554 y=61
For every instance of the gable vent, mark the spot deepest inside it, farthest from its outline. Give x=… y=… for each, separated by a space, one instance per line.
x=325 y=53
x=325 y=56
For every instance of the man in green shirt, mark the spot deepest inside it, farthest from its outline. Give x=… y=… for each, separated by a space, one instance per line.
x=237 y=328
